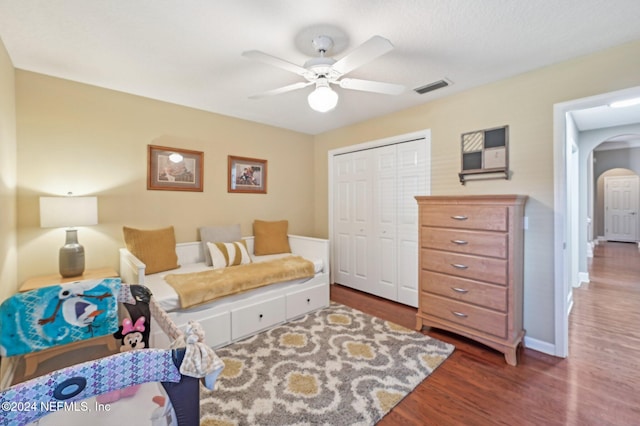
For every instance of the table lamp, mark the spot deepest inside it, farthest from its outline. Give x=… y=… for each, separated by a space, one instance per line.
x=57 y=212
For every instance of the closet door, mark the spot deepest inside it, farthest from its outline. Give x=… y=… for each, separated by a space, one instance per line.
x=375 y=219
x=384 y=263
x=352 y=220
x=412 y=170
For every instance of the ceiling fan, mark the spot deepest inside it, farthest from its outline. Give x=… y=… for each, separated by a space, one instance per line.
x=323 y=71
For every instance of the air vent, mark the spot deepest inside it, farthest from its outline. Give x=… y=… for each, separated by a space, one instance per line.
x=431 y=87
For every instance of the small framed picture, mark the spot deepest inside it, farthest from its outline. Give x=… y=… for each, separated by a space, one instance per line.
x=173 y=169
x=248 y=175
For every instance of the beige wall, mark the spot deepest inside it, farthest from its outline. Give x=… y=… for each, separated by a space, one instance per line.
x=525 y=103
x=88 y=140
x=8 y=249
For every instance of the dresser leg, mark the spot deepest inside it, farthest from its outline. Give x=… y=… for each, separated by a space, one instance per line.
x=510 y=356
x=418 y=324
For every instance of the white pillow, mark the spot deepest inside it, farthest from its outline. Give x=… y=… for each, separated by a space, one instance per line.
x=228 y=254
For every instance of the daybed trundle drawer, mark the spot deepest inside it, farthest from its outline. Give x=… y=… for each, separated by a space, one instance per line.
x=252 y=318
x=217 y=328
x=307 y=300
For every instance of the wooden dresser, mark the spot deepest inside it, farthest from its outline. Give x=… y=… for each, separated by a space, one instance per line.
x=471 y=268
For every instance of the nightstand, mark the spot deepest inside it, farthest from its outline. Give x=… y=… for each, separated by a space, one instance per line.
x=47 y=280
x=32 y=360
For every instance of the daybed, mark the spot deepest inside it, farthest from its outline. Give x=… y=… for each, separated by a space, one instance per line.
x=240 y=315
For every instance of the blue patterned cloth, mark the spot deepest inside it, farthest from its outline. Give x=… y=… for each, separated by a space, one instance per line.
x=28 y=401
x=58 y=315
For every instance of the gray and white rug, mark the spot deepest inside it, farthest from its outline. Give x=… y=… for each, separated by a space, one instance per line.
x=336 y=366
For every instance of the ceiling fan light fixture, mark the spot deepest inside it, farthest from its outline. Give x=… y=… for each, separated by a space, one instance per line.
x=323 y=98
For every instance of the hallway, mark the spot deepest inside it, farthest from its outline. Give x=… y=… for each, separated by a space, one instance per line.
x=604 y=332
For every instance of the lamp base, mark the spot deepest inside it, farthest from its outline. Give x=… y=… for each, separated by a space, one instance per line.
x=71 y=260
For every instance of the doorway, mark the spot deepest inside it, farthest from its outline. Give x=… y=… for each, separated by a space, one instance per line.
x=564 y=174
x=621 y=208
x=373 y=214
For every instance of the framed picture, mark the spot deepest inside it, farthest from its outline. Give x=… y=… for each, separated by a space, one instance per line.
x=485 y=154
x=247 y=175
x=173 y=169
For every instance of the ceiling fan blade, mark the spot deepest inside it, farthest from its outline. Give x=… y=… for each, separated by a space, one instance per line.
x=284 y=89
x=272 y=60
x=371 y=86
x=368 y=51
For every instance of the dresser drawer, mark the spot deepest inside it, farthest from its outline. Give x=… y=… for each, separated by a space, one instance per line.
x=491 y=218
x=469 y=291
x=470 y=316
x=253 y=318
x=461 y=241
x=464 y=265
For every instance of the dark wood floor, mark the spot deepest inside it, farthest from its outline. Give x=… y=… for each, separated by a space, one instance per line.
x=598 y=384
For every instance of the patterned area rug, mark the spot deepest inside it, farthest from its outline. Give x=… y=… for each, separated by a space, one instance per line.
x=336 y=366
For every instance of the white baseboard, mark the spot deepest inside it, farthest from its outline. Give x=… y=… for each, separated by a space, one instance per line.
x=583 y=277
x=570 y=305
x=540 y=346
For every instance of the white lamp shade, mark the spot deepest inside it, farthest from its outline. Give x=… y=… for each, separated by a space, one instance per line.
x=323 y=98
x=57 y=212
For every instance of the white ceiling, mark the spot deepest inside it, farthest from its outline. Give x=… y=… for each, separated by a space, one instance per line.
x=189 y=52
x=605 y=116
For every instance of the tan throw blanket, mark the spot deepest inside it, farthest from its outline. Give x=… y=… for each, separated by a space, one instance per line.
x=200 y=287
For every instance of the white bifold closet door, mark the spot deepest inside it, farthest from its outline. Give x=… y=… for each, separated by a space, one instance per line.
x=375 y=219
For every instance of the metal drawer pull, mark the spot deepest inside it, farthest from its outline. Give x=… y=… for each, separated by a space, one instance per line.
x=459 y=266
x=459 y=242
x=459 y=217
x=459 y=314
x=460 y=290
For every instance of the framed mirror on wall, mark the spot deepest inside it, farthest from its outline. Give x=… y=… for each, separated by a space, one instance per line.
x=485 y=154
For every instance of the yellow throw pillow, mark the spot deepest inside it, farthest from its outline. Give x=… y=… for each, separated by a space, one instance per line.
x=271 y=237
x=156 y=248
x=228 y=254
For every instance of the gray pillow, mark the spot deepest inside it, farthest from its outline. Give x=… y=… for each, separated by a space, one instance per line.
x=218 y=234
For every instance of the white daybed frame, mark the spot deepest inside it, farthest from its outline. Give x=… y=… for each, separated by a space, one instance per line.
x=235 y=317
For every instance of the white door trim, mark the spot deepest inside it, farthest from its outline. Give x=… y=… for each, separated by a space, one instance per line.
x=561 y=219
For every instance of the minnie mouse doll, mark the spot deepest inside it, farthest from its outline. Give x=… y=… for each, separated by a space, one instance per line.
x=131 y=335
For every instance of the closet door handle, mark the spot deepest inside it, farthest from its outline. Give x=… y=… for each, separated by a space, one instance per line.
x=460 y=290
x=459 y=266
x=459 y=217
x=459 y=242
x=459 y=314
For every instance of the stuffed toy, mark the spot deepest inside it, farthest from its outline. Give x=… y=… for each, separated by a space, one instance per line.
x=131 y=335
